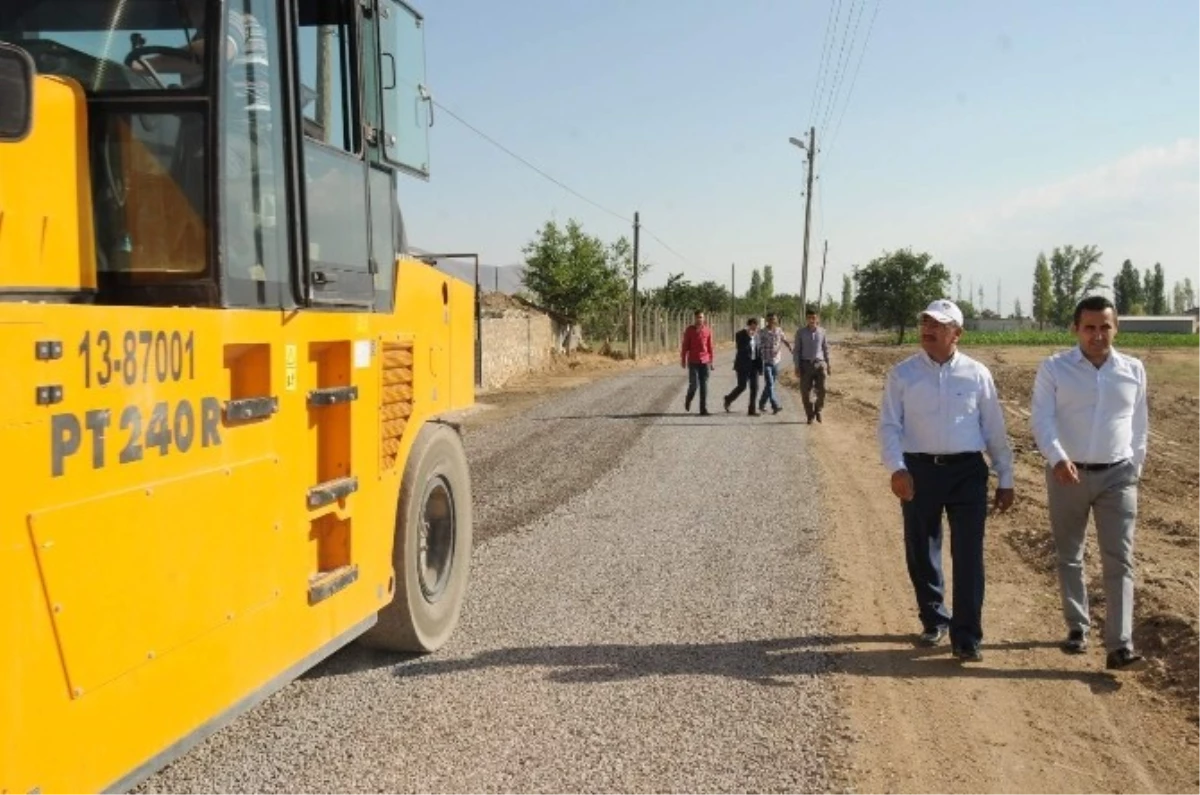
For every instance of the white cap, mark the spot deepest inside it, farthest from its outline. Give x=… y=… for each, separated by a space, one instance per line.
x=944 y=310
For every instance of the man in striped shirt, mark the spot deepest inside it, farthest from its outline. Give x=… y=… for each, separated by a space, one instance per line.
x=770 y=339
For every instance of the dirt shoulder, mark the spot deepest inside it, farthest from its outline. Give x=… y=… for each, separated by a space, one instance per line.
x=1028 y=718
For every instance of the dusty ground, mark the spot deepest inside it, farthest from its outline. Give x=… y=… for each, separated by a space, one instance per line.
x=1028 y=718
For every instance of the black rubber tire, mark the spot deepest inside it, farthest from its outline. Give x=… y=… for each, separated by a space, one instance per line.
x=412 y=622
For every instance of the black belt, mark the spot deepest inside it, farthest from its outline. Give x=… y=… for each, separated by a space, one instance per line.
x=940 y=459
x=1099 y=467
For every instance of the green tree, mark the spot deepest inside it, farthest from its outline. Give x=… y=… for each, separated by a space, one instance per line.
x=893 y=288
x=1072 y=277
x=1127 y=289
x=968 y=309
x=620 y=258
x=1017 y=309
x=1158 y=297
x=572 y=272
x=1178 y=306
x=847 y=304
x=1043 y=292
x=1147 y=292
x=768 y=284
x=754 y=292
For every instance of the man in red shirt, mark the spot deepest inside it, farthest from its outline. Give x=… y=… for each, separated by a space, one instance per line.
x=697 y=356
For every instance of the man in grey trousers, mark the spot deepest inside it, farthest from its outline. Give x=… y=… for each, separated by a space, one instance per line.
x=1090 y=422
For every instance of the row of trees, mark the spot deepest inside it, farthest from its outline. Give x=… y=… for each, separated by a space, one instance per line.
x=1147 y=294
x=582 y=277
x=1071 y=273
x=579 y=275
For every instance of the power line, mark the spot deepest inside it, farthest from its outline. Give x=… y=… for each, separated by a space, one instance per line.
x=526 y=163
x=826 y=54
x=853 y=81
x=819 y=85
x=842 y=62
x=523 y=161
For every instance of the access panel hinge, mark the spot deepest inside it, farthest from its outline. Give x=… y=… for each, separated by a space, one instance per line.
x=331 y=491
x=48 y=350
x=49 y=395
x=251 y=408
x=331 y=395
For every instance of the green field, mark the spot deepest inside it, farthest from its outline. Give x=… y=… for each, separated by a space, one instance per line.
x=1063 y=339
x=1066 y=339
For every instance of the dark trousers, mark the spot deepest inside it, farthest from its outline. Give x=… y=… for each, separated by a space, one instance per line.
x=812 y=377
x=958 y=488
x=698 y=376
x=745 y=376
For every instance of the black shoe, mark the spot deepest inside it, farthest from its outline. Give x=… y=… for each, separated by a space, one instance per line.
x=810 y=419
x=726 y=405
x=818 y=416
x=968 y=652
x=1076 y=642
x=703 y=412
x=1125 y=660
x=753 y=413
x=776 y=409
x=932 y=637
x=687 y=405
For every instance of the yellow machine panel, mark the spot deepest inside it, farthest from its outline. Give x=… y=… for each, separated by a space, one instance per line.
x=205 y=493
x=170 y=557
x=44 y=222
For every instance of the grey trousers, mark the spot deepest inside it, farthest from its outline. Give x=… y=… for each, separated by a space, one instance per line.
x=1111 y=497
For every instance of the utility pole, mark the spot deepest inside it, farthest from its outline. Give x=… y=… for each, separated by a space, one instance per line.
x=637 y=227
x=811 y=148
x=821 y=287
x=999 y=312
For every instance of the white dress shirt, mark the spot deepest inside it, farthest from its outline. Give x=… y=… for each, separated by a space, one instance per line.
x=949 y=408
x=1088 y=414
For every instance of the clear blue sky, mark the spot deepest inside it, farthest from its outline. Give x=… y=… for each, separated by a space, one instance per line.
x=980 y=132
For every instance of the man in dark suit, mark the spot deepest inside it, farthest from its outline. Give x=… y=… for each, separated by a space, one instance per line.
x=747 y=363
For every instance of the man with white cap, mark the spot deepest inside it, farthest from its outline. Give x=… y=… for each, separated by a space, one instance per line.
x=940 y=412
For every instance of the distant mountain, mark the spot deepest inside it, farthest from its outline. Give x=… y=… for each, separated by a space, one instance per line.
x=492 y=278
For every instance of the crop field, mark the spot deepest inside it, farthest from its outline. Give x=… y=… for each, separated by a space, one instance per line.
x=1132 y=339
x=1034 y=338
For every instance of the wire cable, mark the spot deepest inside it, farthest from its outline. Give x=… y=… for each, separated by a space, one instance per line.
x=853 y=82
x=523 y=161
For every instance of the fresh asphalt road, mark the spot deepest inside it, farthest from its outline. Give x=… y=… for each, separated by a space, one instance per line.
x=644 y=614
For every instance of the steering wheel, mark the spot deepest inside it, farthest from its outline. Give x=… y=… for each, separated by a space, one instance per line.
x=138 y=55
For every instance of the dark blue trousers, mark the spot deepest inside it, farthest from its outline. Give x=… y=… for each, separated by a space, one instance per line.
x=957 y=488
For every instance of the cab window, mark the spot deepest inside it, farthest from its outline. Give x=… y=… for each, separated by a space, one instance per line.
x=141 y=64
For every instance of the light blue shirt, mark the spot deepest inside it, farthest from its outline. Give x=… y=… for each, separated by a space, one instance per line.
x=949 y=408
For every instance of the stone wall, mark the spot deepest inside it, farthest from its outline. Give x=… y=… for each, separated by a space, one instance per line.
x=517 y=341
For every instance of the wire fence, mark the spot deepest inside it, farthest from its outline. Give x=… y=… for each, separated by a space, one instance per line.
x=654 y=329
x=660 y=330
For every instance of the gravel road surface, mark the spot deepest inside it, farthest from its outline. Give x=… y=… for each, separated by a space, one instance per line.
x=645 y=614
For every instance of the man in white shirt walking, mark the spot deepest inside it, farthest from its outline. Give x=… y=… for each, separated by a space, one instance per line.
x=1090 y=422
x=940 y=412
